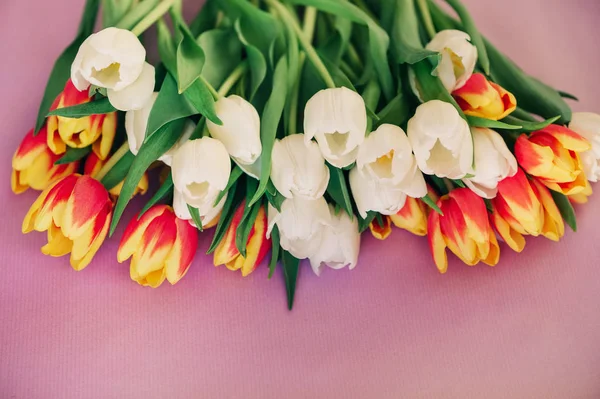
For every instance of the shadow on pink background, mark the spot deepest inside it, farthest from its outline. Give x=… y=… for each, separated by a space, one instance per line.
x=391 y=328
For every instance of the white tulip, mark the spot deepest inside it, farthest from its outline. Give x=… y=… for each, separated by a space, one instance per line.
x=340 y=243
x=114 y=59
x=300 y=224
x=240 y=131
x=493 y=162
x=441 y=140
x=372 y=195
x=182 y=211
x=459 y=57
x=201 y=170
x=386 y=156
x=337 y=119
x=136 y=123
x=587 y=124
x=299 y=169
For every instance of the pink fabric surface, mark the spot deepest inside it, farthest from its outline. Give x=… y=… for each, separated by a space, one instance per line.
x=391 y=328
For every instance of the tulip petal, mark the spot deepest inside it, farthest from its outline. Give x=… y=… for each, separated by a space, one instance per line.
x=258 y=245
x=381 y=232
x=135 y=95
x=511 y=237
x=156 y=244
x=412 y=217
x=227 y=251
x=554 y=227
x=58 y=244
x=102 y=146
x=96 y=237
x=568 y=138
x=135 y=230
x=182 y=252
x=87 y=200
x=437 y=243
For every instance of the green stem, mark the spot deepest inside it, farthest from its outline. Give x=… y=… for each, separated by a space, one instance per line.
x=348 y=71
x=232 y=79
x=116 y=157
x=427 y=21
x=354 y=58
x=161 y=9
x=308 y=24
x=136 y=13
x=311 y=53
x=371 y=95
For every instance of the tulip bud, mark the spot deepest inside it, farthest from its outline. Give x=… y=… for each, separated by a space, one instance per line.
x=93 y=165
x=33 y=164
x=493 y=162
x=412 y=217
x=337 y=119
x=386 y=156
x=464 y=228
x=300 y=224
x=371 y=195
x=257 y=245
x=383 y=230
x=240 y=131
x=95 y=130
x=299 y=169
x=209 y=216
x=136 y=122
x=441 y=140
x=76 y=211
x=160 y=245
x=459 y=57
x=201 y=170
x=485 y=99
x=552 y=155
x=587 y=124
x=340 y=243
x=115 y=59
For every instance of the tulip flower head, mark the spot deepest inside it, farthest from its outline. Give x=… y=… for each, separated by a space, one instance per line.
x=552 y=155
x=493 y=162
x=441 y=140
x=340 y=243
x=485 y=99
x=300 y=223
x=587 y=125
x=298 y=168
x=412 y=217
x=459 y=57
x=115 y=59
x=464 y=229
x=161 y=246
x=337 y=119
x=257 y=245
x=372 y=195
x=33 y=164
x=381 y=229
x=95 y=130
x=76 y=212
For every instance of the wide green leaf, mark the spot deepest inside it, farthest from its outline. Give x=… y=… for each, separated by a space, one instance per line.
x=337 y=43
x=290 y=274
x=338 y=189
x=118 y=172
x=363 y=224
x=248 y=217
x=431 y=203
x=274 y=197
x=527 y=126
x=223 y=52
x=256 y=61
x=236 y=172
x=269 y=123
x=476 y=121
x=102 y=106
x=190 y=60
x=428 y=87
x=195 y=216
x=114 y=10
x=61 y=71
x=233 y=198
x=73 y=154
x=149 y=152
x=162 y=192
x=566 y=209
x=274 y=250
x=396 y=112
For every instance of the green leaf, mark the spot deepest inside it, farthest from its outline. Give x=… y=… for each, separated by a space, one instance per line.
x=233 y=177
x=114 y=10
x=61 y=72
x=459 y=183
x=73 y=154
x=274 y=250
x=523 y=115
x=205 y=19
x=338 y=41
x=570 y=96
x=363 y=224
x=565 y=208
x=190 y=60
x=118 y=172
x=195 y=216
x=269 y=123
x=242 y=233
x=396 y=112
x=135 y=14
x=429 y=87
x=290 y=274
x=226 y=217
x=338 y=189
x=527 y=126
x=378 y=38
x=256 y=61
x=149 y=152
x=472 y=30
x=274 y=197
x=166 y=47
x=161 y=193
x=203 y=101
x=102 y=106
x=431 y=203
x=476 y=121
x=222 y=51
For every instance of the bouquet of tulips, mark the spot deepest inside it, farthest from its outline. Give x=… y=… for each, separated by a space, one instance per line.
x=289 y=127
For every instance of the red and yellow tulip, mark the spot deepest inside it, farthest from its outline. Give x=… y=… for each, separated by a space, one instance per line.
x=552 y=155
x=525 y=207
x=92 y=166
x=412 y=217
x=256 y=248
x=464 y=229
x=96 y=130
x=485 y=99
x=33 y=164
x=76 y=212
x=161 y=246
x=381 y=231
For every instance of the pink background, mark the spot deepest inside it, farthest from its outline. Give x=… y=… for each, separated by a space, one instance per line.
x=393 y=327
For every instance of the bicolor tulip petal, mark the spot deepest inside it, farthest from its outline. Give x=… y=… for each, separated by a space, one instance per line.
x=381 y=231
x=582 y=197
x=257 y=245
x=463 y=228
x=510 y=236
x=93 y=164
x=482 y=98
x=412 y=217
x=33 y=164
x=76 y=212
x=161 y=246
x=552 y=155
x=553 y=227
x=95 y=130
